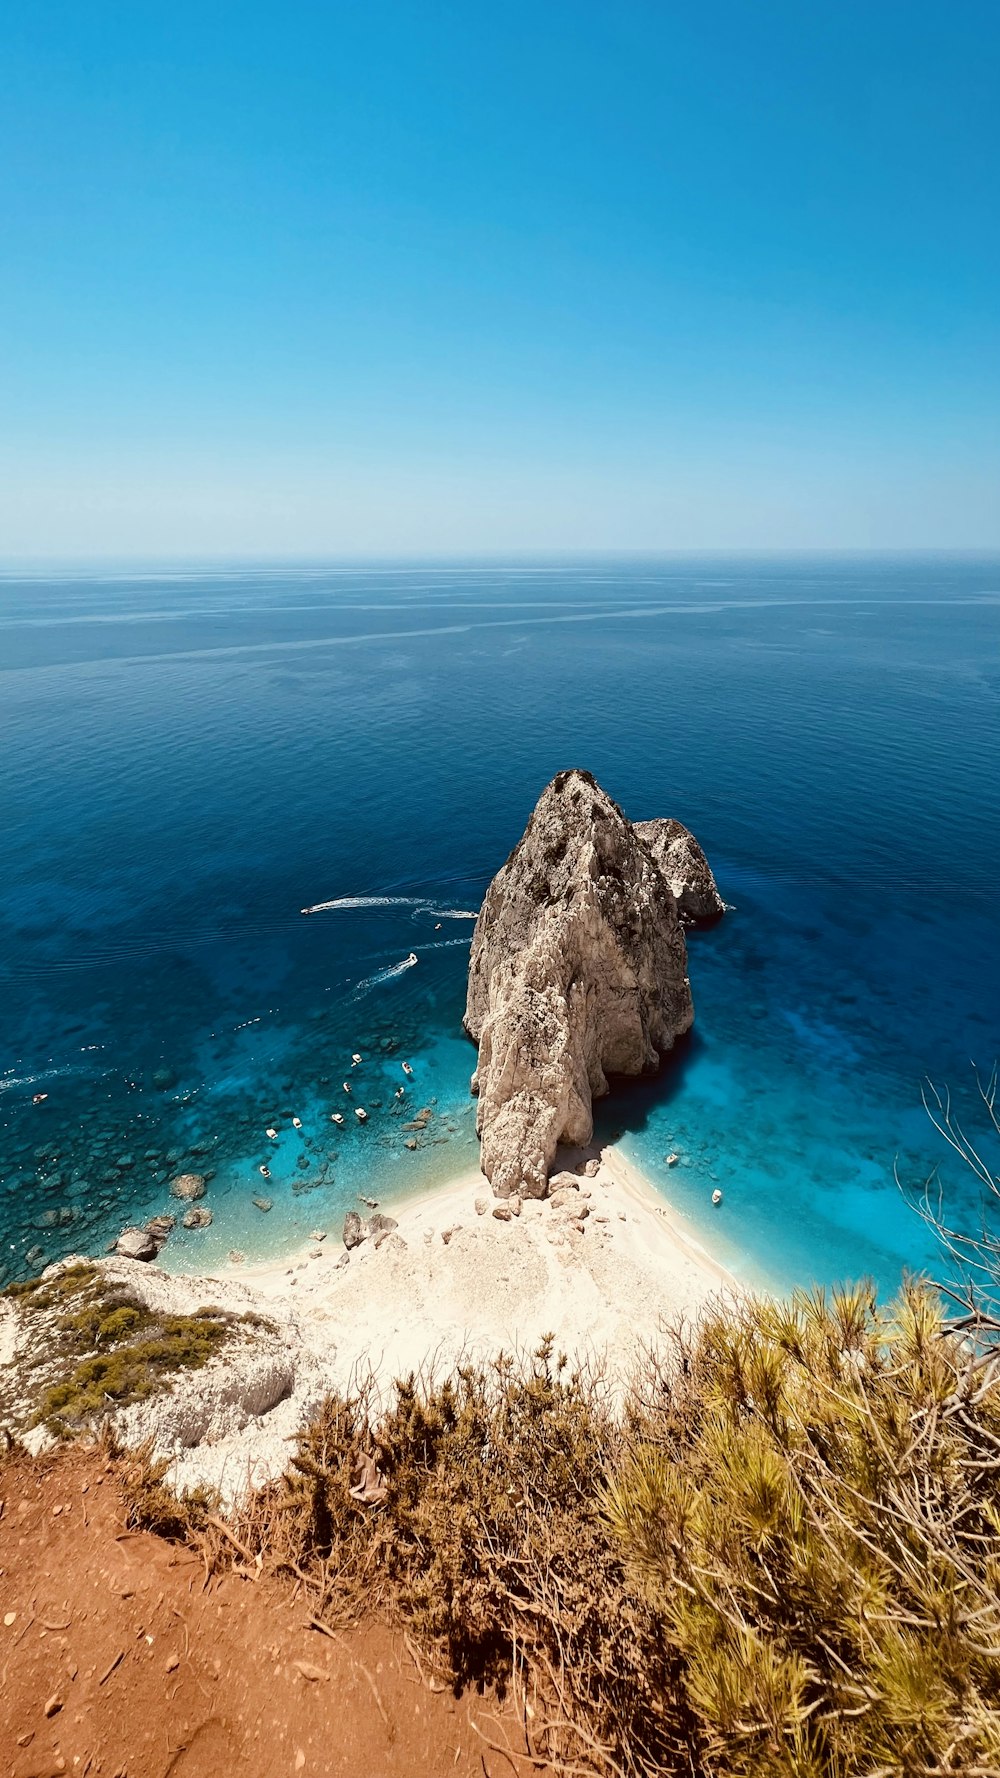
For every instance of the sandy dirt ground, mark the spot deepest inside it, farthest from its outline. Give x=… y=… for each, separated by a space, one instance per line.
x=120 y=1657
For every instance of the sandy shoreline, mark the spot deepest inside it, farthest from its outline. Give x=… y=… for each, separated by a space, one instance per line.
x=602 y=1275
x=602 y=1268
x=441 y=1206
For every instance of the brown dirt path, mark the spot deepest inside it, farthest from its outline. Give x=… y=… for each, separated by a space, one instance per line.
x=120 y=1658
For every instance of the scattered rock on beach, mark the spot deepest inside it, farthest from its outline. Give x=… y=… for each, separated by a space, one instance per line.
x=136 y=1244
x=565 y=1198
x=354 y=1230
x=161 y=1227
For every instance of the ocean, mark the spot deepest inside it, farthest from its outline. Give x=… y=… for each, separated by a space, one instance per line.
x=190 y=756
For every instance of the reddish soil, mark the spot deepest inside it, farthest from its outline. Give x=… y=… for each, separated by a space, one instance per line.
x=120 y=1657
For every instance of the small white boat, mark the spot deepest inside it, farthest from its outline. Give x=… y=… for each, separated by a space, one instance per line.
x=347 y=1086
x=273 y=1134
x=335 y=1117
x=266 y=1171
x=361 y=1114
x=406 y=1068
x=400 y=1092
x=412 y=958
x=355 y=1059
x=716 y=1196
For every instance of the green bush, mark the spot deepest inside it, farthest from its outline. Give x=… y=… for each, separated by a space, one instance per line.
x=101 y=1348
x=814 y=1516
x=783 y=1561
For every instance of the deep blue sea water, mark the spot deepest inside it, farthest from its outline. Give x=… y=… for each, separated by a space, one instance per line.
x=188 y=758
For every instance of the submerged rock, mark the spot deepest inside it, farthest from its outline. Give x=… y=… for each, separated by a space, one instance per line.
x=578 y=970
x=198 y=1218
x=188 y=1185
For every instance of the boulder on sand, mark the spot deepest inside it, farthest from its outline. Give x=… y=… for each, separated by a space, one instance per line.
x=136 y=1244
x=354 y=1230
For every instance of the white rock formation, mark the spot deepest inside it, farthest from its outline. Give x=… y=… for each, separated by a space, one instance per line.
x=686 y=869
x=578 y=970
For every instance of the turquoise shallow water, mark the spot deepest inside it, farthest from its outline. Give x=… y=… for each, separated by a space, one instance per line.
x=190 y=757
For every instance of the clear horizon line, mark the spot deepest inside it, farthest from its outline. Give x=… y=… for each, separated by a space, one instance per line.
x=465 y=558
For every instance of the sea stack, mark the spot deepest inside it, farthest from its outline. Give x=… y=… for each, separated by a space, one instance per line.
x=578 y=970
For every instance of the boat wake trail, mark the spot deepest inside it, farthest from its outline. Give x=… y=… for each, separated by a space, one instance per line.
x=382 y=975
x=444 y=913
x=366 y=901
x=421 y=907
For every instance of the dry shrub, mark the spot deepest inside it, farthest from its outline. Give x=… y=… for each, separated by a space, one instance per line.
x=815 y=1518
x=491 y=1543
x=783 y=1561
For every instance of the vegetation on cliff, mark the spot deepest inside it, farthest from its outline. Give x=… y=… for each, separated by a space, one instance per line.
x=783 y=1559
x=95 y=1346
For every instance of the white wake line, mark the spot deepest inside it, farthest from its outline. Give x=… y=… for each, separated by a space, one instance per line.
x=418 y=903
x=382 y=975
x=434 y=913
x=366 y=901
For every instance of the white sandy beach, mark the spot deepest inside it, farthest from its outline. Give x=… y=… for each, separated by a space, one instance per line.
x=449 y=1282
x=453 y=1280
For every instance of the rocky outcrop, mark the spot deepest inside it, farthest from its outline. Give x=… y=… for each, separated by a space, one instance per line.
x=578 y=970
x=375 y=1229
x=686 y=869
x=136 y=1244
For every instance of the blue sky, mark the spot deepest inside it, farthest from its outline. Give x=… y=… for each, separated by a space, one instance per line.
x=385 y=278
